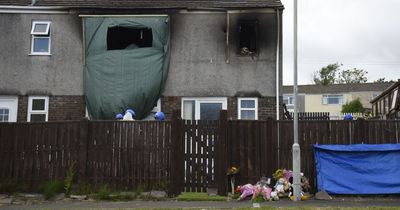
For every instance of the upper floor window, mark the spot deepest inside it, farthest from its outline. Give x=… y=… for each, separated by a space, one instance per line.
x=40 y=38
x=247 y=108
x=119 y=38
x=38 y=107
x=247 y=37
x=332 y=99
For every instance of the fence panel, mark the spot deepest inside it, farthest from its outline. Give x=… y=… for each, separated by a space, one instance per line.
x=126 y=155
x=199 y=146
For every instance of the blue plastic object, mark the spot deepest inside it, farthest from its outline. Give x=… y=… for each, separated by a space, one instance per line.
x=358 y=168
x=132 y=112
x=119 y=116
x=348 y=117
x=159 y=116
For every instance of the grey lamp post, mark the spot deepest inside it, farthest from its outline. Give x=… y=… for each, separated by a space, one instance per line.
x=296 y=146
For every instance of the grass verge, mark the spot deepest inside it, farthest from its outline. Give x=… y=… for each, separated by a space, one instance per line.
x=191 y=196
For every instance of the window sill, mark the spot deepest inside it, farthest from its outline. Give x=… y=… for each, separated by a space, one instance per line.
x=35 y=54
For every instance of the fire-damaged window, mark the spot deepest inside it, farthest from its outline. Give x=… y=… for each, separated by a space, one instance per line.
x=119 y=38
x=248 y=37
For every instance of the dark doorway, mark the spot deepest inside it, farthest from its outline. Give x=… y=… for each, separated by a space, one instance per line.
x=119 y=38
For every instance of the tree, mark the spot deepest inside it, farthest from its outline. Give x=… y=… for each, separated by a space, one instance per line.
x=352 y=76
x=354 y=106
x=383 y=80
x=332 y=74
x=326 y=75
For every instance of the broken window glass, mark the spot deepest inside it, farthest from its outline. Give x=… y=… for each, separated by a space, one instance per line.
x=119 y=38
x=247 y=37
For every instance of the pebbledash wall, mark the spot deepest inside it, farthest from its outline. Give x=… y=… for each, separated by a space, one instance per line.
x=198 y=66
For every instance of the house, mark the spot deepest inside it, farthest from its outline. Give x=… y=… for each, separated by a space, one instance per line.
x=387 y=104
x=64 y=60
x=330 y=98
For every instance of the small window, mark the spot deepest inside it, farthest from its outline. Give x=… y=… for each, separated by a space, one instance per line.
x=40 y=38
x=119 y=38
x=247 y=37
x=38 y=108
x=247 y=108
x=4 y=114
x=332 y=99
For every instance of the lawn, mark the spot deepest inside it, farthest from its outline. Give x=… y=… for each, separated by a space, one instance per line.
x=190 y=196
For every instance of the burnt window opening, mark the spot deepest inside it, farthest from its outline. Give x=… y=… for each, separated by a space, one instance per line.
x=247 y=37
x=119 y=38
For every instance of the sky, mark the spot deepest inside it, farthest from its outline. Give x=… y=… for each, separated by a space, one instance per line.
x=362 y=34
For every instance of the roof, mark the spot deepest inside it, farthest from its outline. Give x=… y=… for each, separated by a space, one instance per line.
x=338 y=88
x=386 y=91
x=148 y=4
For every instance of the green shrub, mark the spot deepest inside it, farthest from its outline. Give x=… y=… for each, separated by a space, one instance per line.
x=103 y=193
x=52 y=188
x=139 y=190
x=10 y=187
x=82 y=189
x=354 y=106
x=69 y=179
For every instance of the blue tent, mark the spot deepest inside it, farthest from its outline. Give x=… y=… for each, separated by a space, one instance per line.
x=358 y=168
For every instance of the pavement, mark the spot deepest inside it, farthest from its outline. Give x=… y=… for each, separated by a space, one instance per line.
x=92 y=205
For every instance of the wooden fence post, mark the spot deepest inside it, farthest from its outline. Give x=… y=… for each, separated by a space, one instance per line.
x=221 y=154
x=83 y=150
x=176 y=169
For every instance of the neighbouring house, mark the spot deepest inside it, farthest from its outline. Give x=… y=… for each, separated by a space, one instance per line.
x=330 y=98
x=387 y=104
x=64 y=60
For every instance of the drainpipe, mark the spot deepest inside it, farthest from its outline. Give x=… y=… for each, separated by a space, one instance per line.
x=278 y=39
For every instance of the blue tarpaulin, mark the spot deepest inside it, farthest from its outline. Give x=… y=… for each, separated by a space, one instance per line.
x=358 y=168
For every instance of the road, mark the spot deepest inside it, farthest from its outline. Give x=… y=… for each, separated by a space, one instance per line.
x=92 y=205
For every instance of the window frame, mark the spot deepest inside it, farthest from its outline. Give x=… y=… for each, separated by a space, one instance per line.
x=2 y=115
x=255 y=109
x=42 y=35
x=325 y=99
x=255 y=24
x=199 y=100
x=46 y=107
x=10 y=103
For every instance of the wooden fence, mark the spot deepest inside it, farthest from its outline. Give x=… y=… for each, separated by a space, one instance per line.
x=123 y=155
x=178 y=155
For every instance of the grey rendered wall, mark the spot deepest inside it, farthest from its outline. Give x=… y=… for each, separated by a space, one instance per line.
x=198 y=66
x=58 y=74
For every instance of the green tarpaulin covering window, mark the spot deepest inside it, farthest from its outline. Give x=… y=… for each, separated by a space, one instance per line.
x=126 y=64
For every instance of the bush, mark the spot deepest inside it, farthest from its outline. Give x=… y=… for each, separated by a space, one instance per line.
x=68 y=179
x=81 y=189
x=104 y=193
x=11 y=187
x=52 y=188
x=354 y=106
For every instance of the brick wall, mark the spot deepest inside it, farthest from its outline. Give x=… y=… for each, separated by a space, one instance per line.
x=266 y=107
x=66 y=108
x=60 y=108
